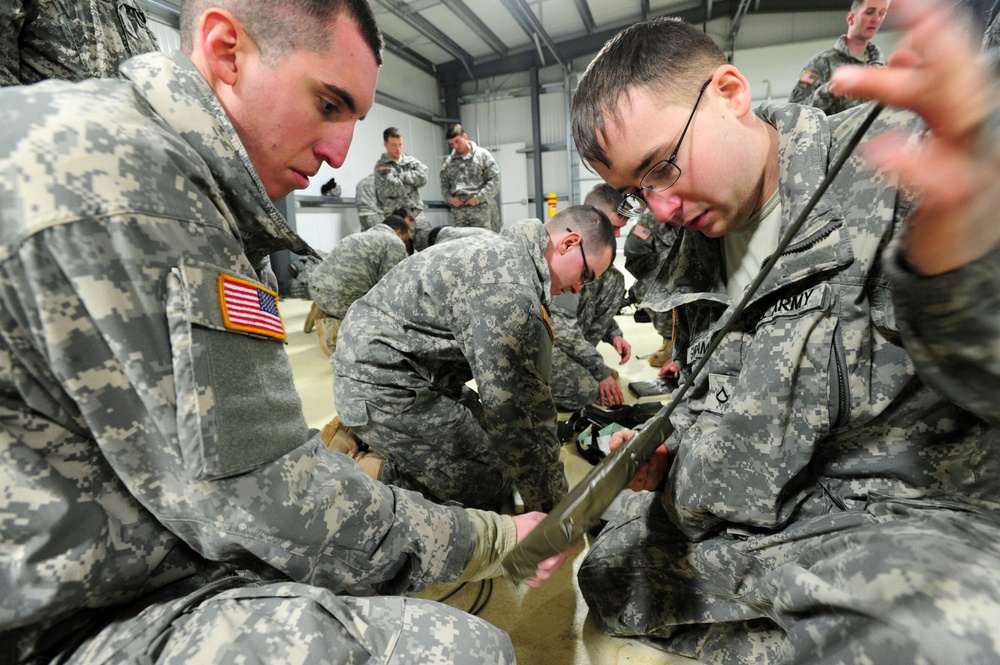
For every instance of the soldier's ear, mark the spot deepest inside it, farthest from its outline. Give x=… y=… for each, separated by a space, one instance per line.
x=733 y=88
x=221 y=39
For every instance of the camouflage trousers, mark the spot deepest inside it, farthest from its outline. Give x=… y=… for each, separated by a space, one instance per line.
x=418 y=234
x=236 y=620
x=896 y=581
x=434 y=445
x=480 y=215
x=368 y=221
x=573 y=386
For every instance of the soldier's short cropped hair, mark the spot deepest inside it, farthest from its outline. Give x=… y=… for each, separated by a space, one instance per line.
x=402 y=211
x=593 y=226
x=668 y=57
x=603 y=196
x=453 y=130
x=432 y=237
x=397 y=223
x=279 y=27
x=390 y=132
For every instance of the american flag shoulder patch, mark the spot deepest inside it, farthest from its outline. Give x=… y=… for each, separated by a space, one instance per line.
x=249 y=308
x=641 y=232
x=808 y=78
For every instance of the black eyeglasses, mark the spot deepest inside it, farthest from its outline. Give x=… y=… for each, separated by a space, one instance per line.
x=588 y=275
x=662 y=175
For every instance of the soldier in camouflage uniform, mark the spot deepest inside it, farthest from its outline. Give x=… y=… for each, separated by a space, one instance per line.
x=813 y=87
x=832 y=488
x=350 y=270
x=470 y=178
x=467 y=309
x=398 y=179
x=370 y=212
x=163 y=496
x=580 y=321
x=648 y=248
x=72 y=41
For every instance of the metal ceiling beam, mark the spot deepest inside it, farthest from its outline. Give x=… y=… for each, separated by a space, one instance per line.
x=169 y=13
x=424 y=27
x=586 y=16
x=734 y=27
x=404 y=52
x=408 y=107
x=469 y=17
x=526 y=18
x=450 y=73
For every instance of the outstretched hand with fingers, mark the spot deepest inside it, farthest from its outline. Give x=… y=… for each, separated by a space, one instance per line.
x=955 y=168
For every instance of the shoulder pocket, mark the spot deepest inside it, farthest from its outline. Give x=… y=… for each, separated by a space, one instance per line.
x=136 y=35
x=237 y=407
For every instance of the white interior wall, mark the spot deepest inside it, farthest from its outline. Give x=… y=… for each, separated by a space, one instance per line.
x=167 y=37
x=324 y=227
x=772 y=72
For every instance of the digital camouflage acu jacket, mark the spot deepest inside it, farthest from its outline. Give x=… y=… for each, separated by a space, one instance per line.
x=398 y=184
x=813 y=87
x=353 y=267
x=813 y=401
x=149 y=426
x=72 y=41
x=467 y=309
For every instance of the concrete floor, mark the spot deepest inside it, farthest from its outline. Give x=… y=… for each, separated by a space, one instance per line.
x=548 y=626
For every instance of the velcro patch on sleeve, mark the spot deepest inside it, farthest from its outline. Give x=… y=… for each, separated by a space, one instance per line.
x=250 y=308
x=641 y=232
x=548 y=323
x=808 y=78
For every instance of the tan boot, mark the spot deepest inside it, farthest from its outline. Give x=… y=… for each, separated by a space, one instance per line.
x=338 y=437
x=314 y=313
x=665 y=353
x=327 y=329
x=372 y=463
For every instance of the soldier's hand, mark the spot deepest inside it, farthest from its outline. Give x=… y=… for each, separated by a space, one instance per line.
x=472 y=201
x=623 y=348
x=455 y=202
x=524 y=524
x=610 y=393
x=670 y=370
x=651 y=473
x=939 y=75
